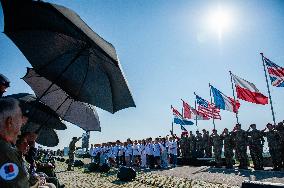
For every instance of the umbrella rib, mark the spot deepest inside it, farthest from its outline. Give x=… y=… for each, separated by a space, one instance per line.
x=65 y=69
x=85 y=77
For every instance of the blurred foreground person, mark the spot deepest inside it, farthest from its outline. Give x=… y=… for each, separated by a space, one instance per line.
x=4 y=84
x=12 y=173
x=71 y=153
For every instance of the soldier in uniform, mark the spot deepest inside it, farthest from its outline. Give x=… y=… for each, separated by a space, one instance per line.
x=199 y=144
x=273 y=139
x=217 y=147
x=256 y=141
x=12 y=172
x=240 y=141
x=228 y=148
x=72 y=151
x=182 y=144
x=280 y=129
x=206 y=143
x=191 y=145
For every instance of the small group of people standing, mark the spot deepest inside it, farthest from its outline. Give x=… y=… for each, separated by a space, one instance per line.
x=237 y=140
x=146 y=153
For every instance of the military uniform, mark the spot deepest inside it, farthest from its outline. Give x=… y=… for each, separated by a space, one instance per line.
x=12 y=172
x=182 y=144
x=273 y=139
x=240 y=139
x=256 y=148
x=207 y=145
x=217 y=148
x=192 y=145
x=228 y=149
x=199 y=145
x=71 y=152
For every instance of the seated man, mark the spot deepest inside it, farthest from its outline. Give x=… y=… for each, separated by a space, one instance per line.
x=12 y=173
x=35 y=180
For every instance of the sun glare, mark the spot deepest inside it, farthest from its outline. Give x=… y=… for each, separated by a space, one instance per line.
x=219 y=21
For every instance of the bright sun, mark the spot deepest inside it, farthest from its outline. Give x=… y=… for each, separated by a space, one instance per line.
x=219 y=21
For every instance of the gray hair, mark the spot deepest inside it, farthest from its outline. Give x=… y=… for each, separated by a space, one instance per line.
x=8 y=108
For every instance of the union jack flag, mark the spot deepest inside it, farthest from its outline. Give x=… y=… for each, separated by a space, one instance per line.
x=276 y=73
x=209 y=109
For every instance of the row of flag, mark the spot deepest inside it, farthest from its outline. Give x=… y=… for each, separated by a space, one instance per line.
x=245 y=90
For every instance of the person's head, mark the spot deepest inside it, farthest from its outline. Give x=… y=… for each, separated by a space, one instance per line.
x=253 y=126
x=11 y=119
x=269 y=126
x=214 y=131
x=22 y=144
x=204 y=131
x=4 y=84
x=238 y=126
x=226 y=130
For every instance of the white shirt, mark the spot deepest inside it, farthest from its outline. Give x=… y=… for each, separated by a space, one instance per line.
x=136 y=149
x=121 y=150
x=174 y=147
x=149 y=149
x=128 y=150
x=157 y=150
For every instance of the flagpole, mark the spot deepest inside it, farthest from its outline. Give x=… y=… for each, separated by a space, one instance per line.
x=270 y=99
x=196 y=110
x=235 y=105
x=211 y=104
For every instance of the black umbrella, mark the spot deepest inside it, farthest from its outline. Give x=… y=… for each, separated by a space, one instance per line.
x=76 y=112
x=39 y=113
x=63 y=48
x=46 y=136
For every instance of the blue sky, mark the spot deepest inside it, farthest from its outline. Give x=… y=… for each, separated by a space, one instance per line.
x=168 y=50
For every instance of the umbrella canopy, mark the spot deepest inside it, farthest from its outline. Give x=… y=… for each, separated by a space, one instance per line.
x=82 y=114
x=62 y=48
x=46 y=136
x=38 y=112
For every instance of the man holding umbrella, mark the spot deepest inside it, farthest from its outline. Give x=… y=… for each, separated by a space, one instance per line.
x=71 y=151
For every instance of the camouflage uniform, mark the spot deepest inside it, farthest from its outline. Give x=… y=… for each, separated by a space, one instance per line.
x=199 y=145
x=217 y=148
x=183 y=146
x=240 y=141
x=256 y=148
x=192 y=145
x=228 y=149
x=280 y=129
x=71 y=152
x=207 y=145
x=273 y=139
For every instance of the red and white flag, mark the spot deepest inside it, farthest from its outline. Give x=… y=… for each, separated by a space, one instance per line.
x=248 y=92
x=186 y=110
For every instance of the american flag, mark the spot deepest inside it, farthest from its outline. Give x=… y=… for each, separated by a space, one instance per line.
x=276 y=73
x=209 y=109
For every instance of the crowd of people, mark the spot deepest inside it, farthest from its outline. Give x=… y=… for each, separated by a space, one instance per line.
x=147 y=153
x=19 y=164
x=235 y=143
x=162 y=152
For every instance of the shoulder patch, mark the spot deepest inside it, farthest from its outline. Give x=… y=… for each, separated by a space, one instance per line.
x=9 y=171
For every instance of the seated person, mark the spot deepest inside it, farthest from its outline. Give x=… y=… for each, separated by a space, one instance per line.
x=35 y=180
